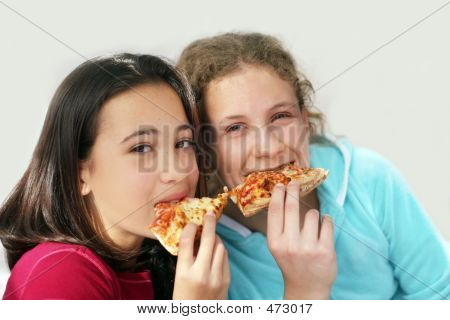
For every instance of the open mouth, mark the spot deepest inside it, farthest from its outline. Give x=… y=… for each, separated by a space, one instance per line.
x=177 y=196
x=271 y=169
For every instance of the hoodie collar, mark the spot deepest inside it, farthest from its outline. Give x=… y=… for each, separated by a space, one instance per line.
x=334 y=155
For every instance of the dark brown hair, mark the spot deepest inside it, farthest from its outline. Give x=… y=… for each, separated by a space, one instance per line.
x=46 y=204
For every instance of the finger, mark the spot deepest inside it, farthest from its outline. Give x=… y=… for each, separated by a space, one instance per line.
x=275 y=219
x=186 y=249
x=207 y=242
x=217 y=261
x=310 y=232
x=292 y=209
x=327 y=232
x=226 y=268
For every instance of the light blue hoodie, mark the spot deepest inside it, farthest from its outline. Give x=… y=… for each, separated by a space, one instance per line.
x=385 y=244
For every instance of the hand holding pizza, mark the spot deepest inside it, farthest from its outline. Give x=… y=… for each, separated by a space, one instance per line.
x=306 y=257
x=206 y=275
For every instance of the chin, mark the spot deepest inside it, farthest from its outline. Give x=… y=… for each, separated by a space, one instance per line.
x=149 y=235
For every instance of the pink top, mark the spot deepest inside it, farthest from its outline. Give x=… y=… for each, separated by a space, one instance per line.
x=54 y=270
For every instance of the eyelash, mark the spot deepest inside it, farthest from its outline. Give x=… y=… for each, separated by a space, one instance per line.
x=284 y=114
x=229 y=129
x=138 y=147
x=190 y=142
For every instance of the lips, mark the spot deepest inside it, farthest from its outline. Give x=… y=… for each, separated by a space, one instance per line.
x=176 y=196
x=270 y=168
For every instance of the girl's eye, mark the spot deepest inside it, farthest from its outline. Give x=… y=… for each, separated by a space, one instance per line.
x=280 y=115
x=185 y=144
x=142 y=148
x=235 y=128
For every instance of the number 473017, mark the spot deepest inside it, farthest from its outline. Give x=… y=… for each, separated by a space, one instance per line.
x=289 y=308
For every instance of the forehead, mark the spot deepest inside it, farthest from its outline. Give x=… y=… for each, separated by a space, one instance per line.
x=151 y=105
x=247 y=90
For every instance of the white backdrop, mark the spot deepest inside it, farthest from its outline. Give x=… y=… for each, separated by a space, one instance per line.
x=381 y=68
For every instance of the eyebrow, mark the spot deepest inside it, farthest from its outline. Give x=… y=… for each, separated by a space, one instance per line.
x=284 y=104
x=141 y=132
x=276 y=106
x=184 y=127
x=153 y=131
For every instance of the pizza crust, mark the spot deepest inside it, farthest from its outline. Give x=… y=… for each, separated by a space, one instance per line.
x=251 y=196
x=254 y=193
x=171 y=218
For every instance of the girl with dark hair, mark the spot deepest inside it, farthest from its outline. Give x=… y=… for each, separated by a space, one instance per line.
x=117 y=139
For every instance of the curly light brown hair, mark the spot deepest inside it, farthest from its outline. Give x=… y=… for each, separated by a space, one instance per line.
x=211 y=58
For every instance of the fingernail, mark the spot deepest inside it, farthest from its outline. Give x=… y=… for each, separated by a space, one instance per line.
x=210 y=213
x=279 y=186
x=327 y=216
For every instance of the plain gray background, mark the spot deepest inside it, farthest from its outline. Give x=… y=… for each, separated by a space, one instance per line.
x=381 y=68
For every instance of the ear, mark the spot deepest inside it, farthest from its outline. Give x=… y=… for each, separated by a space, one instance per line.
x=85 y=178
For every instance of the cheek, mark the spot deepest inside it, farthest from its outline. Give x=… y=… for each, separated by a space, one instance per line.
x=186 y=162
x=231 y=156
x=131 y=202
x=296 y=138
x=192 y=180
x=134 y=177
x=292 y=135
x=122 y=185
x=141 y=184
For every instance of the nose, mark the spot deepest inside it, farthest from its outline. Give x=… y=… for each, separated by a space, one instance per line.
x=172 y=169
x=268 y=143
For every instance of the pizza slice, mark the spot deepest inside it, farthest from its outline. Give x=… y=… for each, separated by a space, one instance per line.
x=172 y=217
x=254 y=193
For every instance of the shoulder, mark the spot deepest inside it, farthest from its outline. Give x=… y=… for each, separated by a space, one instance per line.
x=57 y=255
x=344 y=150
x=368 y=162
x=366 y=169
x=369 y=157
x=374 y=170
x=389 y=193
x=61 y=271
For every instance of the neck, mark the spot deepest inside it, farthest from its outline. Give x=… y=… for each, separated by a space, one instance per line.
x=126 y=242
x=258 y=222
